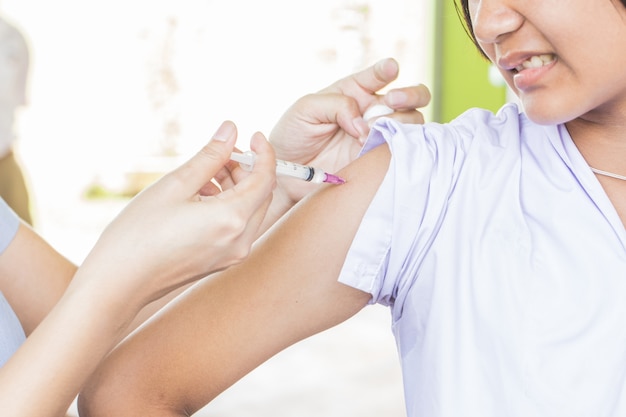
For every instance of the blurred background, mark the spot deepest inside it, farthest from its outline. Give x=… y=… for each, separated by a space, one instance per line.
x=123 y=90
x=127 y=88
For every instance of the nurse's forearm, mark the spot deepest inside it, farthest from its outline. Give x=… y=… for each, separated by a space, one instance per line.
x=45 y=374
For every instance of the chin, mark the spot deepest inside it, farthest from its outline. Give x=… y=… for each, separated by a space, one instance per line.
x=548 y=113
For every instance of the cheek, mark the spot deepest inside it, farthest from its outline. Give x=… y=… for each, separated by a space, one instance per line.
x=472 y=5
x=488 y=50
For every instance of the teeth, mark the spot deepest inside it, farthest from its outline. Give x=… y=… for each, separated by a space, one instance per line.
x=536 y=61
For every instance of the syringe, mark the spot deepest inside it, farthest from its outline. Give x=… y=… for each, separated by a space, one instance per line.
x=291 y=169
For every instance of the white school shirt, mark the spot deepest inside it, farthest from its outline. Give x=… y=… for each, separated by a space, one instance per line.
x=504 y=266
x=11 y=332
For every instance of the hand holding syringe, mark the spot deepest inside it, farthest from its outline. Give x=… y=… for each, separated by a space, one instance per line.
x=315 y=175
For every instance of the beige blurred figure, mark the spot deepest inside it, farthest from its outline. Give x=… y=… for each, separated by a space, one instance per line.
x=14 y=63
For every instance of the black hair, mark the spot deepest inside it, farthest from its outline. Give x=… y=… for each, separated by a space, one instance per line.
x=462 y=9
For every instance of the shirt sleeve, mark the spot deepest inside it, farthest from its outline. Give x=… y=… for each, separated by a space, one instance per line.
x=11 y=332
x=408 y=207
x=403 y=221
x=9 y=223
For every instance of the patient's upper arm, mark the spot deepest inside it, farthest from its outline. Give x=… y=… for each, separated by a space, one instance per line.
x=233 y=321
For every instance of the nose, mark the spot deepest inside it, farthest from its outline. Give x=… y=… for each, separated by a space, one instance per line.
x=492 y=20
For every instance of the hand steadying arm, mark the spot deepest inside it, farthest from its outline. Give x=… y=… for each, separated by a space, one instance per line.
x=326 y=129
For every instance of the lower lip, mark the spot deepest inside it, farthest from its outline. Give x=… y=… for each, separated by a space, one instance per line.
x=530 y=77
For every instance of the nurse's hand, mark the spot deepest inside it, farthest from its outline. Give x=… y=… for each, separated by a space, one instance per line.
x=327 y=129
x=185 y=226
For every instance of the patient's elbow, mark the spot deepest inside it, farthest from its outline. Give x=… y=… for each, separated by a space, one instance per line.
x=119 y=396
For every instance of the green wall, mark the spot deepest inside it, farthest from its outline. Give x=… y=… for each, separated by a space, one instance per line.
x=460 y=73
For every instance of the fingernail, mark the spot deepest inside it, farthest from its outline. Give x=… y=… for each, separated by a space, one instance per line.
x=361 y=126
x=224 y=132
x=380 y=65
x=396 y=98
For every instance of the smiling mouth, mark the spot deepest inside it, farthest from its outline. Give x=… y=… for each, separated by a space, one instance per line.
x=536 y=61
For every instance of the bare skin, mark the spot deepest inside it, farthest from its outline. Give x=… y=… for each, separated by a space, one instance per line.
x=130 y=274
x=581 y=83
x=229 y=323
x=132 y=264
x=236 y=320
x=325 y=129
